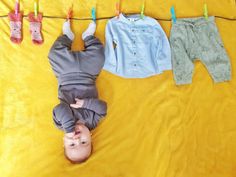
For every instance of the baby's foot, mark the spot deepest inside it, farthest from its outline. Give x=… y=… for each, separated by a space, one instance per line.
x=15 y=27
x=35 y=28
x=90 y=30
x=67 y=30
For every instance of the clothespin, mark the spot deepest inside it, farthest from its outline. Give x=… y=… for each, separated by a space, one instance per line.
x=173 y=16
x=117 y=9
x=142 y=11
x=17 y=7
x=35 y=8
x=69 y=14
x=205 y=12
x=93 y=13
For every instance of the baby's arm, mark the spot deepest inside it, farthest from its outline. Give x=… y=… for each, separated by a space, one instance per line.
x=92 y=110
x=93 y=104
x=96 y=105
x=63 y=117
x=91 y=118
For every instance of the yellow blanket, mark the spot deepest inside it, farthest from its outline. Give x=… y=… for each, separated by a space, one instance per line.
x=153 y=128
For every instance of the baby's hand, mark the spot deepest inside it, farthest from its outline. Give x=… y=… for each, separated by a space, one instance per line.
x=79 y=103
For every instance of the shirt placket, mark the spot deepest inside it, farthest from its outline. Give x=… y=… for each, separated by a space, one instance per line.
x=134 y=46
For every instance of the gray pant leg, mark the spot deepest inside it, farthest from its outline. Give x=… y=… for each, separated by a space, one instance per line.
x=214 y=55
x=181 y=61
x=61 y=58
x=92 y=59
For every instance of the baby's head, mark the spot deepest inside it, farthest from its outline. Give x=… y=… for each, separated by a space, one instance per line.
x=77 y=144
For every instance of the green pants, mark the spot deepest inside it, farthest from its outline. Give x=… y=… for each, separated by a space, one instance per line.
x=198 y=38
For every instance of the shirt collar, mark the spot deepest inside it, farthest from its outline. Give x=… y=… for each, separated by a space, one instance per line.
x=125 y=18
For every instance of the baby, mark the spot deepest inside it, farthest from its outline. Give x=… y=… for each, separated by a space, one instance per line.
x=80 y=109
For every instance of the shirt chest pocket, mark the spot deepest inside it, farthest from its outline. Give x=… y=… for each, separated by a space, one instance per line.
x=144 y=35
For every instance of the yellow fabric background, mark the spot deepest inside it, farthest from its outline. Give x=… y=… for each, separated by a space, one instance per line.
x=153 y=128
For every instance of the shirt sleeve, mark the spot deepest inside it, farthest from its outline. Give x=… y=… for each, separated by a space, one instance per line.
x=96 y=105
x=163 y=52
x=63 y=117
x=110 y=45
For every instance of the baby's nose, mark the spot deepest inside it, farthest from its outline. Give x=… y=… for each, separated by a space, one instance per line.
x=77 y=136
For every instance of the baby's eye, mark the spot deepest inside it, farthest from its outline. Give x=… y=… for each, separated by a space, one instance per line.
x=83 y=142
x=72 y=144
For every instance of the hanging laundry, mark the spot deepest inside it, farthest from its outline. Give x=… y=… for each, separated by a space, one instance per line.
x=135 y=47
x=35 y=20
x=193 y=38
x=36 y=28
x=15 y=18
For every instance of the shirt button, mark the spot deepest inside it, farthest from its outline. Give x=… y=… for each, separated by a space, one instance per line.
x=135 y=65
x=134 y=53
x=132 y=30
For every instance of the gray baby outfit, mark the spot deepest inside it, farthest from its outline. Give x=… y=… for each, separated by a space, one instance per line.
x=76 y=72
x=193 y=38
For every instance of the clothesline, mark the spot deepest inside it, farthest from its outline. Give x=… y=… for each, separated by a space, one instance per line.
x=109 y=17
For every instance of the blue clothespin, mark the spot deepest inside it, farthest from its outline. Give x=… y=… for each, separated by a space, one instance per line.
x=173 y=16
x=94 y=14
x=205 y=12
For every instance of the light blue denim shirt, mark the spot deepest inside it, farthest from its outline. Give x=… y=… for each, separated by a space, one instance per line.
x=135 y=47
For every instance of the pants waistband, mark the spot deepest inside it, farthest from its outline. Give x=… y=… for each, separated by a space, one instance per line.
x=194 y=21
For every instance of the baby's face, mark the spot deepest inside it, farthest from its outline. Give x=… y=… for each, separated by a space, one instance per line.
x=78 y=143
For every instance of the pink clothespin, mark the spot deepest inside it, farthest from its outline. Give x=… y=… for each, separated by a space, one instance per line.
x=17 y=7
x=117 y=9
x=70 y=13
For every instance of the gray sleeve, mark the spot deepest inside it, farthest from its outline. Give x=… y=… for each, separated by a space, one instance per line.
x=63 y=118
x=96 y=105
x=91 y=118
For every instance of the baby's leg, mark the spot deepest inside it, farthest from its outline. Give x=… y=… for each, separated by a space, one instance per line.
x=61 y=58
x=92 y=58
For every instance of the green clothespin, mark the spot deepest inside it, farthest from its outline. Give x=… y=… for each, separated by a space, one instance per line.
x=142 y=11
x=35 y=8
x=205 y=12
